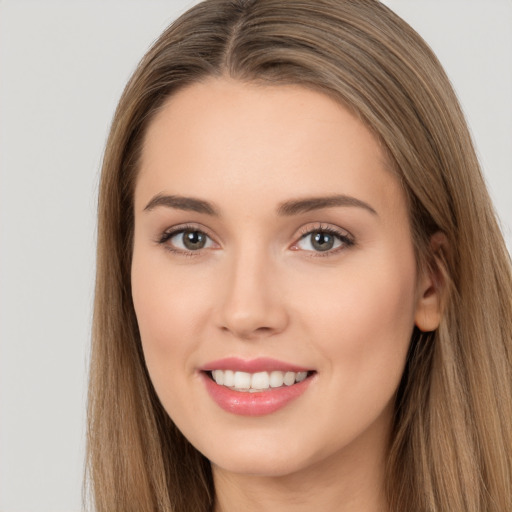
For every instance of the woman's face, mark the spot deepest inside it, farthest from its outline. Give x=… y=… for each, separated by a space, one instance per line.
x=272 y=246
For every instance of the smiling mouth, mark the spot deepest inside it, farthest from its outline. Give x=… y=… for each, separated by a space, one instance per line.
x=257 y=382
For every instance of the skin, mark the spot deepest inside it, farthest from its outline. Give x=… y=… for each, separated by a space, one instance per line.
x=260 y=289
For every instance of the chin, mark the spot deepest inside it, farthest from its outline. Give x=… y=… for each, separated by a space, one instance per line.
x=262 y=466
x=264 y=459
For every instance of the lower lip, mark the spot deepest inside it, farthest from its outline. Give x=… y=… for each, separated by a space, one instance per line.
x=254 y=404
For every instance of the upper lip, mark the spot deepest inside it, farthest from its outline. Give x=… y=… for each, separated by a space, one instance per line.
x=260 y=364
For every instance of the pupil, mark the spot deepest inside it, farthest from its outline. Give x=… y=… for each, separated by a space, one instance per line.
x=194 y=240
x=322 y=241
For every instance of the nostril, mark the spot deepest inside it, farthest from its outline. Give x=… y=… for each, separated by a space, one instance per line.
x=263 y=330
x=246 y=331
x=250 y=308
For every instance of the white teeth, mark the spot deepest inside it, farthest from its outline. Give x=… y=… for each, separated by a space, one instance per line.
x=289 y=378
x=301 y=376
x=242 y=380
x=276 y=379
x=218 y=376
x=260 y=381
x=229 y=377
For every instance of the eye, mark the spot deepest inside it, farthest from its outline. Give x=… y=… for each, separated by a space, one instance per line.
x=186 y=240
x=323 y=240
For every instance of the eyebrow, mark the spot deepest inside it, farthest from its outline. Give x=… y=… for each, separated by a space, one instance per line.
x=189 y=204
x=294 y=207
x=288 y=208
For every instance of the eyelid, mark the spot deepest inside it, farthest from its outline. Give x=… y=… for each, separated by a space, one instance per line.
x=323 y=226
x=170 y=232
x=346 y=238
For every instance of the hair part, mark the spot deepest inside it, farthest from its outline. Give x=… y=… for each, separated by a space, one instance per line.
x=450 y=448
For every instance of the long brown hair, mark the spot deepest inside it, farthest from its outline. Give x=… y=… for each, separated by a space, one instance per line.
x=452 y=439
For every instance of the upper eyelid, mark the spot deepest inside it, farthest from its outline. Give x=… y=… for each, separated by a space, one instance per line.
x=303 y=231
x=168 y=233
x=332 y=228
x=187 y=226
x=346 y=238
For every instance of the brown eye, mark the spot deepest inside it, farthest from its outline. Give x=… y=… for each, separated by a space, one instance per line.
x=187 y=240
x=194 y=240
x=322 y=241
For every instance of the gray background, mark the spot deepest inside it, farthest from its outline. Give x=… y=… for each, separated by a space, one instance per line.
x=63 y=65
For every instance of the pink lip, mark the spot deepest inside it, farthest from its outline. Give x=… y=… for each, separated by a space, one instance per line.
x=261 y=364
x=253 y=404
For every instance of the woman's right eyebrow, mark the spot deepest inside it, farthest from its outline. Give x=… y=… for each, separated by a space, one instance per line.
x=288 y=208
x=190 y=204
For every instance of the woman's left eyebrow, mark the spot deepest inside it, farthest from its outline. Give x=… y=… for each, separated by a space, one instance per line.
x=287 y=208
x=297 y=206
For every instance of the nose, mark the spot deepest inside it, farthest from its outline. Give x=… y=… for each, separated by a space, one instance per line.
x=252 y=305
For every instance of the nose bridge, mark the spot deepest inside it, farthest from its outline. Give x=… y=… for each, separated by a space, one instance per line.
x=252 y=304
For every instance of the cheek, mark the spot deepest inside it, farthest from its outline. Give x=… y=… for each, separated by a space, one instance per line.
x=363 y=326
x=170 y=311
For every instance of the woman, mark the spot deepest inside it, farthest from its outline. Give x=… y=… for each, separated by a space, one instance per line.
x=303 y=297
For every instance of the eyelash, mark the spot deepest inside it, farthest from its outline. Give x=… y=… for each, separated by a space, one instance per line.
x=170 y=233
x=344 y=238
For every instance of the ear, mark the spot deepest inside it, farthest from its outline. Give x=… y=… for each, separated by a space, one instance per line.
x=432 y=287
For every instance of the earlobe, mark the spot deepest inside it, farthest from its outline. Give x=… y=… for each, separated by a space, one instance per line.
x=432 y=287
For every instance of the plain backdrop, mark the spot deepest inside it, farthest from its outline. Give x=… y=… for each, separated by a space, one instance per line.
x=63 y=65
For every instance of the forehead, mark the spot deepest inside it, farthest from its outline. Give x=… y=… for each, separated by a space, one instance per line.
x=236 y=140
